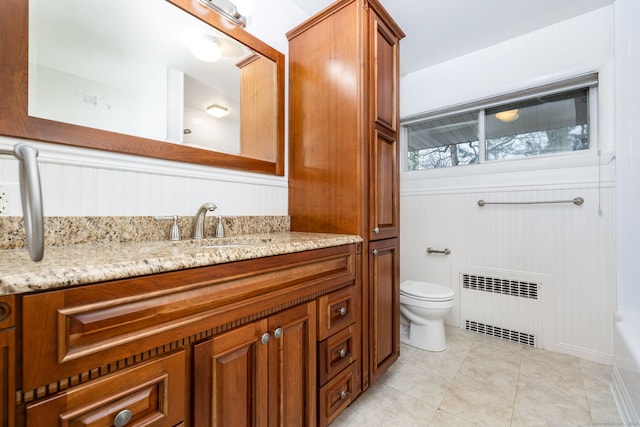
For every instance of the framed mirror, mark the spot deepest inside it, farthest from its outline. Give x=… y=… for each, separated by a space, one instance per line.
x=121 y=76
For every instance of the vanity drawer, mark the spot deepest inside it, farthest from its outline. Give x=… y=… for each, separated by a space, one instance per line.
x=335 y=353
x=336 y=310
x=336 y=395
x=151 y=393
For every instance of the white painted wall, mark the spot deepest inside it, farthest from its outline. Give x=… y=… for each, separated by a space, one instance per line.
x=627 y=333
x=628 y=155
x=575 y=246
x=88 y=182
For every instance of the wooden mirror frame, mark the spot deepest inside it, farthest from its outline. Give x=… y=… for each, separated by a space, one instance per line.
x=15 y=121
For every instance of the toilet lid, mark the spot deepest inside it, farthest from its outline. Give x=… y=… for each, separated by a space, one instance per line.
x=426 y=291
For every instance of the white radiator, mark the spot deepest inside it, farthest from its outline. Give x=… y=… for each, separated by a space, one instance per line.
x=501 y=303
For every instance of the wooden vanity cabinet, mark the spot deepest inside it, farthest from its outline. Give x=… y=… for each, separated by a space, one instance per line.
x=384 y=306
x=344 y=153
x=7 y=359
x=185 y=348
x=260 y=374
x=339 y=352
x=151 y=393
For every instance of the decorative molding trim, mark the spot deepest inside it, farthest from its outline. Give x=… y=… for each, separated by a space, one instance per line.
x=623 y=400
x=82 y=157
x=441 y=191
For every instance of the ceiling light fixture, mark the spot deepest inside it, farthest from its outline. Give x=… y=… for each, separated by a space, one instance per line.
x=236 y=11
x=508 y=116
x=206 y=48
x=244 y=7
x=216 y=110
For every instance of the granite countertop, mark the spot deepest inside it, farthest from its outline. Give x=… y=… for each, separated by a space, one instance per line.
x=65 y=266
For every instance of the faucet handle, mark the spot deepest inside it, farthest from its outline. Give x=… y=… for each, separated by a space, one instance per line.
x=220 y=227
x=174 y=234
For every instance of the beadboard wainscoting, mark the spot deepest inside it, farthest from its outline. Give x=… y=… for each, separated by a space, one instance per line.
x=571 y=247
x=81 y=182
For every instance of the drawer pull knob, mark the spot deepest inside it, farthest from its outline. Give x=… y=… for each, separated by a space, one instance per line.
x=376 y=230
x=122 y=419
x=344 y=394
x=374 y=252
x=265 y=338
x=277 y=334
x=342 y=311
x=342 y=353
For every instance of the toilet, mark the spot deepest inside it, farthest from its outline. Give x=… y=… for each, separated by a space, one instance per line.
x=423 y=307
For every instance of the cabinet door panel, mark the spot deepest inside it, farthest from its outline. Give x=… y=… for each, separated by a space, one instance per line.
x=292 y=367
x=385 y=78
x=152 y=393
x=384 y=188
x=230 y=378
x=7 y=376
x=384 y=303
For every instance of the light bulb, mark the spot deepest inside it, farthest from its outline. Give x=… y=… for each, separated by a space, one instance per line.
x=206 y=48
x=508 y=116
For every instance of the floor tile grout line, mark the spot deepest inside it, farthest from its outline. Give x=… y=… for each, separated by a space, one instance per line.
x=515 y=395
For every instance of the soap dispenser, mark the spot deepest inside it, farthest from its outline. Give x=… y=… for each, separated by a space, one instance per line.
x=220 y=228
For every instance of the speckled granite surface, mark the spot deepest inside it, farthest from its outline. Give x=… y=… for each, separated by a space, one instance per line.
x=65 y=266
x=73 y=230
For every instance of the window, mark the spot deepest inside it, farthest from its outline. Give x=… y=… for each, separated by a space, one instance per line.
x=537 y=122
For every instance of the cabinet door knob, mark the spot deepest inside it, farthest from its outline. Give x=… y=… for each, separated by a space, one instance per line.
x=344 y=394
x=374 y=252
x=122 y=419
x=277 y=334
x=376 y=230
x=342 y=311
x=342 y=353
x=265 y=338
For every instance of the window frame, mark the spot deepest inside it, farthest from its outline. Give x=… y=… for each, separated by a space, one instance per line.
x=589 y=81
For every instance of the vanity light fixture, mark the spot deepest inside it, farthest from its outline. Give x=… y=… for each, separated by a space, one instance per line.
x=217 y=110
x=236 y=10
x=206 y=48
x=508 y=116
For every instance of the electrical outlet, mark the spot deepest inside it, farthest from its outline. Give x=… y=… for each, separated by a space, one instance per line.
x=9 y=199
x=4 y=202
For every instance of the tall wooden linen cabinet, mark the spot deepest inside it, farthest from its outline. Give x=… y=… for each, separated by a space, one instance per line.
x=343 y=158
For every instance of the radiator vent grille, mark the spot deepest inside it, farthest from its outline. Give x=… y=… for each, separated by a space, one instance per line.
x=506 y=334
x=514 y=288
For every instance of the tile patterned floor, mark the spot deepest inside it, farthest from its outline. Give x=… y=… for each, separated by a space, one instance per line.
x=485 y=381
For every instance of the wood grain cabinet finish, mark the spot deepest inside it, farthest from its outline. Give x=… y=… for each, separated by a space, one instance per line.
x=384 y=303
x=261 y=374
x=344 y=153
x=7 y=360
x=336 y=395
x=179 y=347
x=337 y=310
x=149 y=394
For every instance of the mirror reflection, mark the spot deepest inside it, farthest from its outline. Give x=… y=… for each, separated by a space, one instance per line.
x=137 y=68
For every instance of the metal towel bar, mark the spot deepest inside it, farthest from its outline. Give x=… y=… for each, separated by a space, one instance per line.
x=576 y=201
x=447 y=251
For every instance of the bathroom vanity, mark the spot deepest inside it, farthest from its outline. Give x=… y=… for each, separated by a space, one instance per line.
x=258 y=331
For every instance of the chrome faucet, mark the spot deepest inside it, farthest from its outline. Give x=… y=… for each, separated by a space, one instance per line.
x=198 y=222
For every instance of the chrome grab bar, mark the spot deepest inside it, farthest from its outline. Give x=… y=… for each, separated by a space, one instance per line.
x=576 y=201
x=31 y=196
x=446 y=251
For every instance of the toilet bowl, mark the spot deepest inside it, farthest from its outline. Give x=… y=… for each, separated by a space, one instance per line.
x=423 y=307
